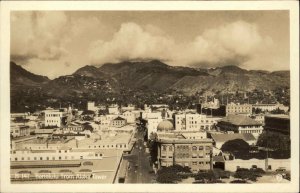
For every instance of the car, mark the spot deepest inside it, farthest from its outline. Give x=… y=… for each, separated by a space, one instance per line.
x=281 y=169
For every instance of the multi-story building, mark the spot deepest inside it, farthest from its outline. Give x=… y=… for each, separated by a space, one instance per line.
x=195 y=154
x=278 y=124
x=238 y=109
x=91 y=106
x=129 y=116
x=175 y=149
x=240 y=124
x=20 y=130
x=53 y=117
x=270 y=107
x=195 y=122
x=118 y=122
x=152 y=125
x=113 y=109
x=58 y=154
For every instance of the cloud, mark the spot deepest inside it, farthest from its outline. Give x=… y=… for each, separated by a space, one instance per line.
x=38 y=35
x=132 y=41
x=230 y=44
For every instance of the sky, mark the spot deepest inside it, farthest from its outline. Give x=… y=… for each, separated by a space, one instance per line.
x=56 y=43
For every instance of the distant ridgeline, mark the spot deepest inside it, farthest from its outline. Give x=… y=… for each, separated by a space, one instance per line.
x=146 y=82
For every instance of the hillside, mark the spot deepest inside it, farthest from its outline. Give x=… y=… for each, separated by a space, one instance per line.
x=21 y=77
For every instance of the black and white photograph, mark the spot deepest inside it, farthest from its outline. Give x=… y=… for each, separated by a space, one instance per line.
x=199 y=97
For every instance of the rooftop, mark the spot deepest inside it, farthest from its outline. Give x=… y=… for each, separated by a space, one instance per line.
x=239 y=120
x=280 y=116
x=228 y=137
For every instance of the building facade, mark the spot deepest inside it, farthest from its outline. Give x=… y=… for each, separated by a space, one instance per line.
x=195 y=154
x=237 y=109
x=240 y=124
x=195 y=122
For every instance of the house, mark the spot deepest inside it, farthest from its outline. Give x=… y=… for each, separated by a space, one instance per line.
x=118 y=122
x=240 y=124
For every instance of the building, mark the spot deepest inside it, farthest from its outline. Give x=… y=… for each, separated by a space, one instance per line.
x=53 y=117
x=240 y=124
x=266 y=164
x=91 y=106
x=195 y=122
x=20 y=130
x=118 y=122
x=114 y=109
x=278 y=124
x=152 y=125
x=220 y=139
x=195 y=154
x=129 y=116
x=237 y=109
x=259 y=118
x=58 y=154
x=270 y=107
x=175 y=149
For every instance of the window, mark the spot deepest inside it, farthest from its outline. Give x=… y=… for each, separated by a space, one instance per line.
x=194 y=163
x=170 y=148
x=34 y=158
x=164 y=148
x=16 y=159
x=47 y=158
x=200 y=147
x=59 y=158
x=53 y=158
x=194 y=147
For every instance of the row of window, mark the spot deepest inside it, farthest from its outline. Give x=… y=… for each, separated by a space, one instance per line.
x=200 y=163
x=52 y=115
x=251 y=131
x=107 y=146
x=53 y=158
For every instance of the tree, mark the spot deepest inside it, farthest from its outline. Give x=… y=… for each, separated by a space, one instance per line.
x=153 y=147
x=171 y=174
x=246 y=174
x=275 y=141
x=237 y=147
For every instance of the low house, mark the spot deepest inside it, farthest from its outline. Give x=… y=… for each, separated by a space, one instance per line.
x=118 y=122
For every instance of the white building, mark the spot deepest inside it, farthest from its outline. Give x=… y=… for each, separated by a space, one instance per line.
x=195 y=122
x=114 y=109
x=240 y=124
x=53 y=117
x=59 y=154
x=152 y=125
x=91 y=106
x=129 y=116
x=270 y=107
x=237 y=109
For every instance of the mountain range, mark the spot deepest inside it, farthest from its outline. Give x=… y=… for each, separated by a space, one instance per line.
x=150 y=75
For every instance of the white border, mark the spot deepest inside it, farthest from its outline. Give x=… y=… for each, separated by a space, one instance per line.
x=6 y=7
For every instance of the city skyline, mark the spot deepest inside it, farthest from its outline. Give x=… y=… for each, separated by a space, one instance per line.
x=98 y=37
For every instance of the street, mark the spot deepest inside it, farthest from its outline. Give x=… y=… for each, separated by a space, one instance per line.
x=139 y=170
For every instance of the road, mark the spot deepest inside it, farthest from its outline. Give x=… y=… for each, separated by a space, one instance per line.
x=139 y=170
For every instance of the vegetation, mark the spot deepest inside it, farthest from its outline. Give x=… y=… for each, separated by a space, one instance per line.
x=211 y=176
x=275 y=141
x=171 y=174
x=246 y=174
x=236 y=147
